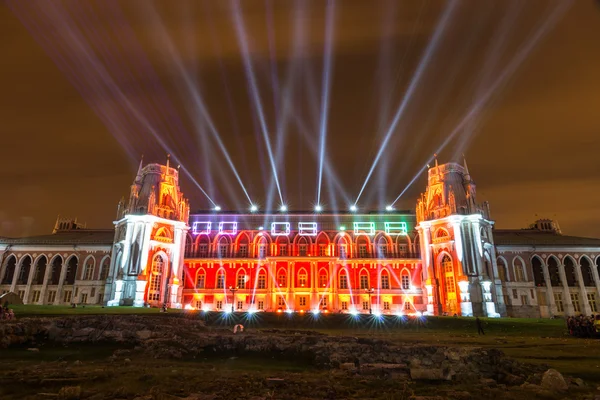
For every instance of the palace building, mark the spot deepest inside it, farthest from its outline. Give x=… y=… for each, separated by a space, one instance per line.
x=446 y=258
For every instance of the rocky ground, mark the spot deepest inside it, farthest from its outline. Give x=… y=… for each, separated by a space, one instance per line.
x=145 y=357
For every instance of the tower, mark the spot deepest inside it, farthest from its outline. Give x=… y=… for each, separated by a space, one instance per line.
x=457 y=247
x=150 y=232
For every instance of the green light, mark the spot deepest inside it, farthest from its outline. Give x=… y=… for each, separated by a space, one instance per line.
x=342 y=228
x=395 y=228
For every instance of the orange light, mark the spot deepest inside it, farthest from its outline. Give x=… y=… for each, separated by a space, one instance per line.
x=279 y=310
x=302 y=311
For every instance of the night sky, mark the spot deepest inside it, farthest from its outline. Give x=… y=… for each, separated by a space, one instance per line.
x=88 y=87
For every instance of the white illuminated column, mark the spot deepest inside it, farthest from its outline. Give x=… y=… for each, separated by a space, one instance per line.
x=430 y=305
x=118 y=294
x=466 y=307
x=490 y=307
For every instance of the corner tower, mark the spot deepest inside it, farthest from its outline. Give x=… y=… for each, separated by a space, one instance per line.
x=457 y=248
x=150 y=233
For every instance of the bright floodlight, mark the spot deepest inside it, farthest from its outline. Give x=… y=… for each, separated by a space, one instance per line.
x=283 y=208
x=289 y=311
x=318 y=208
x=342 y=228
x=389 y=208
x=353 y=208
x=254 y=208
x=228 y=311
x=316 y=311
x=260 y=228
x=377 y=314
x=251 y=311
x=353 y=311
x=217 y=208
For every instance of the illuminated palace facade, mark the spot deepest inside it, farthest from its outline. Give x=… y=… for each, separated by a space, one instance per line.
x=447 y=258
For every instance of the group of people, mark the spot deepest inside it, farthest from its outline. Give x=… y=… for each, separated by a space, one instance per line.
x=6 y=313
x=584 y=326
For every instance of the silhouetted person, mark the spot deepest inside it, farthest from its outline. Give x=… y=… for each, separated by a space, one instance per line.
x=479 y=326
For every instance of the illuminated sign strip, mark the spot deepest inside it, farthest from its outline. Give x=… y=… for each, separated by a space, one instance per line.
x=228 y=228
x=307 y=228
x=364 y=228
x=395 y=228
x=201 y=228
x=280 y=228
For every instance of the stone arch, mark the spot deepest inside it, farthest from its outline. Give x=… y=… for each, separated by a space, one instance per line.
x=221 y=278
x=302 y=274
x=56 y=266
x=222 y=246
x=89 y=267
x=39 y=271
x=189 y=244
x=383 y=245
x=10 y=266
x=502 y=269
x=403 y=245
x=24 y=269
x=363 y=246
x=587 y=272
x=570 y=274
x=282 y=277
x=282 y=241
x=553 y=270
x=243 y=238
x=385 y=278
x=164 y=232
x=72 y=264
x=537 y=267
x=262 y=244
x=519 y=271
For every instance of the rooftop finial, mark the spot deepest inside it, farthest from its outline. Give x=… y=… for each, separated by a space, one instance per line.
x=465 y=165
x=139 y=172
x=168 y=163
x=436 y=161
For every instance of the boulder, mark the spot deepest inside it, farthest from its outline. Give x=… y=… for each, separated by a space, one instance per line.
x=429 y=374
x=553 y=380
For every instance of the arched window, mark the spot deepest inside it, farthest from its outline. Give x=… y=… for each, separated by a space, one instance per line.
x=303 y=247
x=384 y=280
x=538 y=271
x=344 y=281
x=446 y=264
x=201 y=279
x=71 y=270
x=223 y=247
x=262 y=280
x=441 y=233
x=586 y=271
x=382 y=248
x=487 y=264
x=40 y=270
x=242 y=279
x=302 y=278
x=220 y=284
x=158 y=266
x=55 y=271
x=362 y=244
x=104 y=269
x=282 y=278
x=364 y=279
x=323 y=278
x=519 y=270
x=262 y=248
x=88 y=271
x=405 y=280
x=9 y=270
x=24 y=271
x=570 y=271
x=553 y=270
x=502 y=270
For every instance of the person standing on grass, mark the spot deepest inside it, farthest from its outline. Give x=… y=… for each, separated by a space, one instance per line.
x=479 y=326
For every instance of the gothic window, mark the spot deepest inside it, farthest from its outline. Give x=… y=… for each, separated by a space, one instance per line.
x=362 y=250
x=442 y=233
x=450 y=284
x=223 y=248
x=364 y=281
x=104 y=269
x=343 y=282
x=40 y=271
x=553 y=271
x=201 y=280
x=342 y=251
x=262 y=249
x=538 y=271
x=88 y=272
x=158 y=266
x=24 y=271
x=243 y=250
x=55 y=271
x=502 y=271
x=570 y=271
x=323 y=280
x=382 y=248
x=385 y=281
x=322 y=250
x=71 y=270
x=405 y=280
x=283 y=250
x=302 y=277
x=447 y=264
x=241 y=280
x=262 y=281
x=220 y=280
x=282 y=279
x=9 y=271
x=586 y=272
x=203 y=250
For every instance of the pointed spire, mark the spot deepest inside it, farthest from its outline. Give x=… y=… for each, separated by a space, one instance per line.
x=436 y=161
x=168 y=163
x=465 y=166
x=138 y=177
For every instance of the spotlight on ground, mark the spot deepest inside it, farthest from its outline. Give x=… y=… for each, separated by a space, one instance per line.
x=376 y=314
x=316 y=311
x=353 y=312
x=289 y=311
x=251 y=311
x=389 y=208
x=253 y=208
x=318 y=208
x=217 y=208
x=283 y=208
x=353 y=208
